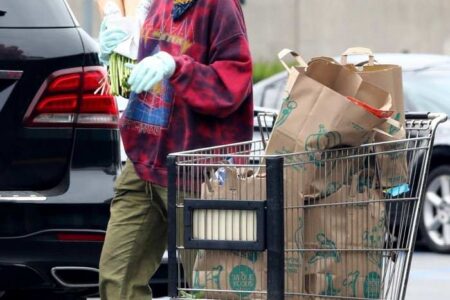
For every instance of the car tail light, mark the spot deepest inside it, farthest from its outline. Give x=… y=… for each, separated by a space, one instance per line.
x=64 y=83
x=72 y=98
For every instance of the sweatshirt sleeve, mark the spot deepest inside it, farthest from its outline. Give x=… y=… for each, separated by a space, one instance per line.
x=218 y=87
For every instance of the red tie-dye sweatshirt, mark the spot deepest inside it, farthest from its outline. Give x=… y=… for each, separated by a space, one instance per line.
x=207 y=101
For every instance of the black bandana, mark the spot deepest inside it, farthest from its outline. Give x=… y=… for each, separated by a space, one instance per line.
x=180 y=7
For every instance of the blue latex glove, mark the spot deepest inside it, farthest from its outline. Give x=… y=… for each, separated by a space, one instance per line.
x=109 y=38
x=150 y=71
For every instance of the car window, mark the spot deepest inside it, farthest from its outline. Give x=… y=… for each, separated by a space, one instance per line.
x=34 y=13
x=427 y=91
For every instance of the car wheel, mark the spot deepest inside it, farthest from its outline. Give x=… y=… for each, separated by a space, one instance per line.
x=435 y=220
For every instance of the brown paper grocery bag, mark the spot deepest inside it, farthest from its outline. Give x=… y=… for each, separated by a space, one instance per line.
x=241 y=273
x=393 y=166
x=317 y=115
x=347 y=282
x=293 y=232
x=343 y=230
x=239 y=184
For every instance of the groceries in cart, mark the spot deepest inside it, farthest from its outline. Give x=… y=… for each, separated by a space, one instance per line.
x=329 y=105
x=352 y=176
x=336 y=108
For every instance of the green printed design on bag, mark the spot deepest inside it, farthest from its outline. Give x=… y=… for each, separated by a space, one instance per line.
x=243 y=279
x=294 y=162
x=399 y=150
x=332 y=188
x=325 y=243
x=395 y=180
x=330 y=290
x=364 y=183
x=373 y=239
x=298 y=236
x=357 y=127
x=350 y=281
x=250 y=255
x=323 y=139
x=392 y=129
x=212 y=276
x=292 y=264
x=319 y=141
x=285 y=111
x=372 y=286
x=201 y=254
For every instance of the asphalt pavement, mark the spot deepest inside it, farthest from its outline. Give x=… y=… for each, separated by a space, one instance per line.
x=429 y=277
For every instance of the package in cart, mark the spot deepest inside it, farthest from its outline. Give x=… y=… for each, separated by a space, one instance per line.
x=242 y=273
x=389 y=78
x=330 y=106
x=346 y=229
x=351 y=239
x=327 y=106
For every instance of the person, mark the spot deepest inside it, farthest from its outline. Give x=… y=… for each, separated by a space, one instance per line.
x=191 y=88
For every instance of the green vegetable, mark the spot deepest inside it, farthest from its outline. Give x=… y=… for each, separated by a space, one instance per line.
x=118 y=75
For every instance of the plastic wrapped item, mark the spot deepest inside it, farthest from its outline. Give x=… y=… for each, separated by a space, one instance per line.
x=221 y=173
x=142 y=11
x=112 y=10
x=398 y=190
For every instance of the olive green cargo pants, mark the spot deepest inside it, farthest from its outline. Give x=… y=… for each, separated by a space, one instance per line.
x=136 y=238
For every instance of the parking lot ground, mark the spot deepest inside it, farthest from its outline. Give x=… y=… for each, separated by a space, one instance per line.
x=429 y=277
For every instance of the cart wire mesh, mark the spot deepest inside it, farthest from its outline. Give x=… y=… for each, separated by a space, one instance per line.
x=342 y=230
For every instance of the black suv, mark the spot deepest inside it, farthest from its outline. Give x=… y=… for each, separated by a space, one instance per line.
x=59 y=153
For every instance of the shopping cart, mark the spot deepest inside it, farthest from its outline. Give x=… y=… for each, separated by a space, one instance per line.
x=309 y=225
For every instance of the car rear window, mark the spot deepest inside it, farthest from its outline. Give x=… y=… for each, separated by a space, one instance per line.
x=428 y=91
x=34 y=13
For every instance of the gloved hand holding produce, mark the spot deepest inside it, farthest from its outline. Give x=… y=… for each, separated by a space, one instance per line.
x=150 y=71
x=119 y=41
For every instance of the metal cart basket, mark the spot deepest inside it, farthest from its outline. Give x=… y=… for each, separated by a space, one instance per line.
x=309 y=225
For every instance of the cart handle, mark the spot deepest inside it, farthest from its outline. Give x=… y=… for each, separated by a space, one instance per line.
x=426 y=115
x=417 y=115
